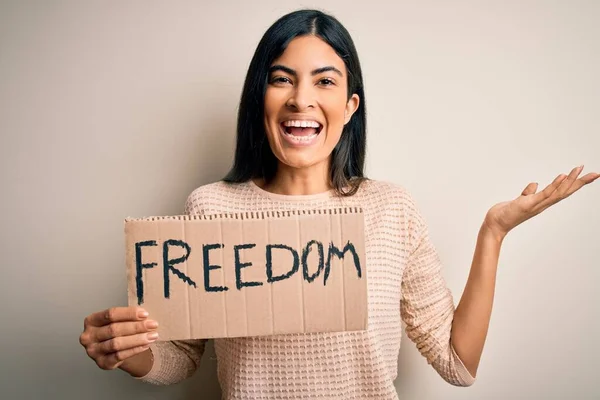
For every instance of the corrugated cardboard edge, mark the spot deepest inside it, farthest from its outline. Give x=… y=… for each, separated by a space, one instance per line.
x=252 y=214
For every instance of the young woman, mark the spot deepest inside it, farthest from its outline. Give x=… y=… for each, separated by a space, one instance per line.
x=301 y=145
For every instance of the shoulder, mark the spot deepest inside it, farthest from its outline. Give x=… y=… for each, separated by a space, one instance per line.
x=387 y=193
x=213 y=196
x=393 y=200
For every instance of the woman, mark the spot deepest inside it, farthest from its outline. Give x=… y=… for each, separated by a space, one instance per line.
x=301 y=145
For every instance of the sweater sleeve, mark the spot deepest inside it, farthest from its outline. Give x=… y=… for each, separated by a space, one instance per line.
x=176 y=360
x=427 y=305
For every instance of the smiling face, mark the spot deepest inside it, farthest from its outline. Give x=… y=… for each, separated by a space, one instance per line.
x=306 y=103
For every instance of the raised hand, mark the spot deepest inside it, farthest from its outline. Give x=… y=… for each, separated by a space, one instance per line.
x=505 y=216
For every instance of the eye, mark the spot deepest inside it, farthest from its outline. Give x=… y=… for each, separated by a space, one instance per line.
x=280 y=80
x=327 y=82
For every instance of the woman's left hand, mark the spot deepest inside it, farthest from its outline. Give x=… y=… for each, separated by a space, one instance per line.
x=505 y=216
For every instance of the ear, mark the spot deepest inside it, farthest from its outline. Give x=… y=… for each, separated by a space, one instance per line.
x=351 y=107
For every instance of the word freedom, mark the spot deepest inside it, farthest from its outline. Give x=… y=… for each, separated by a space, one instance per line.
x=168 y=263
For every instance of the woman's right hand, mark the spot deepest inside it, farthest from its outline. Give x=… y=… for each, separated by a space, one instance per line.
x=115 y=336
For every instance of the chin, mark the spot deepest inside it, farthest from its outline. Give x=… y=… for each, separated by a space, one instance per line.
x=298 y=162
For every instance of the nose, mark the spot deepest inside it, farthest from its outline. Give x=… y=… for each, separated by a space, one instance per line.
x=301 y=98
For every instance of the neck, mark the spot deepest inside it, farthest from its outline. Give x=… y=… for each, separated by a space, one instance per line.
x=298 y=181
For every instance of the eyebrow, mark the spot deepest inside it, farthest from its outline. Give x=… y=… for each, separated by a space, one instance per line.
x=314 y=72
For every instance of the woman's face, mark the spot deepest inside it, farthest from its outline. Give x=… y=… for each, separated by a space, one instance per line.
x=306 y=104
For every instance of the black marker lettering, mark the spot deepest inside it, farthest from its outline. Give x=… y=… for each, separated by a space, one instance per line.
x=310 y=278
x=334 y=251
x=168 y=264
x=270 y=277
x=139 y=268
x=207 y=268
x=239 y=265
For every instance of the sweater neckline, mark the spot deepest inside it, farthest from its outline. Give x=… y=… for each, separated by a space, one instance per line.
x=287 y=197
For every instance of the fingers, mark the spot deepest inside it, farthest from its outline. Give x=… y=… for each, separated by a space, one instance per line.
x=116 y=334
x=113 y=360
x=94 y=334
x=530 y=189
x=550 y=189
x=579 y=183
x=115 y=314
x=119 y=329
x=122 y=343
x=589 y=178
x=565 y=186
x=110 y=353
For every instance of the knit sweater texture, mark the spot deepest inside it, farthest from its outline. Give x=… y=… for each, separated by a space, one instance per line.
x=404 y=284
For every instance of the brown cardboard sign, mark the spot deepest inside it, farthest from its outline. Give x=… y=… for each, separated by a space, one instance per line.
x=249 y=274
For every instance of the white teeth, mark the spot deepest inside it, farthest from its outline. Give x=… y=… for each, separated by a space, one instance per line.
x=301 y=139
x=302 y=124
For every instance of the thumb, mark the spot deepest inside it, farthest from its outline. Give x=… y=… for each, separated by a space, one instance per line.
x=530 y=189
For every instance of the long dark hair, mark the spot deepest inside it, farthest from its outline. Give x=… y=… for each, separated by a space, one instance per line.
x=253 y=155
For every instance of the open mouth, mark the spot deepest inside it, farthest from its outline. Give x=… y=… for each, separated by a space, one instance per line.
x=301 y=132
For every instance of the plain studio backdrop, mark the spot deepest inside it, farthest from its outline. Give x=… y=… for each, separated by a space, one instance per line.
x=112 y=109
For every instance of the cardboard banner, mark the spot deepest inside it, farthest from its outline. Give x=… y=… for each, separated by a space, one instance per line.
x=249 y=274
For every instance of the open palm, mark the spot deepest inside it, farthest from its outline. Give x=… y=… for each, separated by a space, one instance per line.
x=505 y=216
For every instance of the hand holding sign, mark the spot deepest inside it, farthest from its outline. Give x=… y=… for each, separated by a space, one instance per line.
x=112 y=336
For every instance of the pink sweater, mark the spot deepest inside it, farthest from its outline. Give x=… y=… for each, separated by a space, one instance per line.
x=404 y=284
